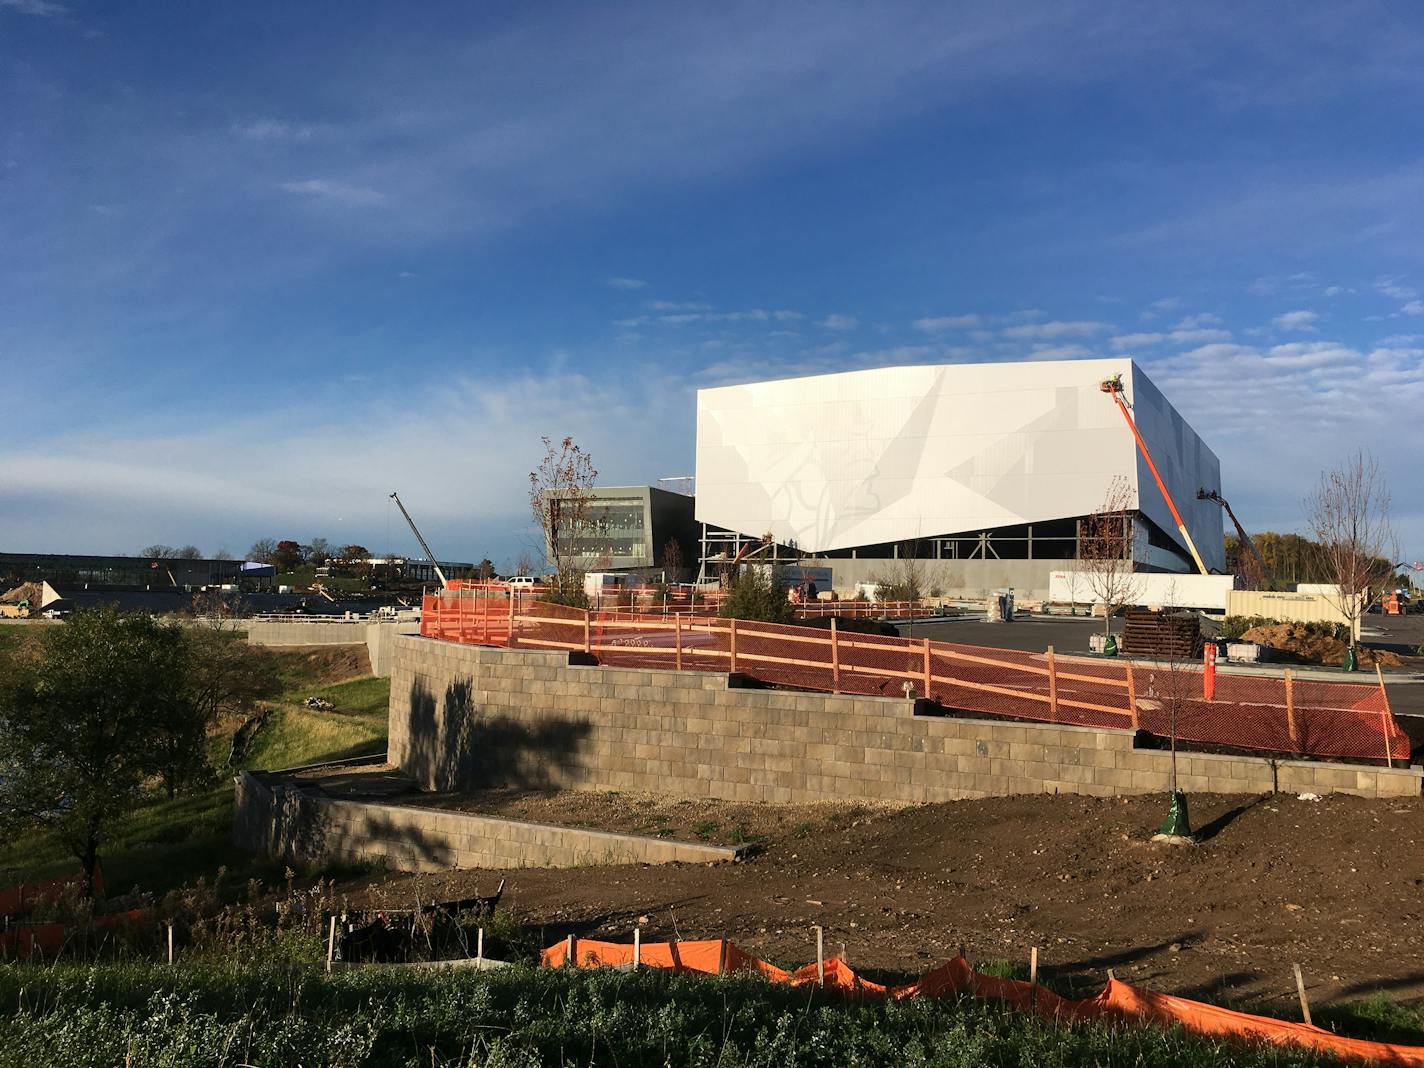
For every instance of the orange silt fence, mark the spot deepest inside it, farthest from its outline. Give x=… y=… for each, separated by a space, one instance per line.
x=1118 y=1002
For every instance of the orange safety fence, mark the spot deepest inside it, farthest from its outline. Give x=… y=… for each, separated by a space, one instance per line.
x=19 y=900
x=1118 y=1002
x=23 y=940
x=1274 y=714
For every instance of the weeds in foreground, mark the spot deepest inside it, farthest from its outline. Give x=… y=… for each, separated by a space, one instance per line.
x=205 y=1014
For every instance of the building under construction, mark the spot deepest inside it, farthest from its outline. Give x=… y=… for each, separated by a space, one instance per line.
x=983 y=472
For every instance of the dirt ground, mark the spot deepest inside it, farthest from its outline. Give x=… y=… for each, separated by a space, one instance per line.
x=322 y=665
x=1336 y=885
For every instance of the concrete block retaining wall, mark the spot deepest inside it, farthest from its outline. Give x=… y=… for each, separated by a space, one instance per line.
x=377 y=637
x=467 y=717
x=278 y=817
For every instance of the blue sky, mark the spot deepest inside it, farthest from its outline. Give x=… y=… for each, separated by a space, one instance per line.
x=262 y=263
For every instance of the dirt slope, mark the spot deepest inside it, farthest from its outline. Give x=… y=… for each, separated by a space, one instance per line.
x=1337 y=885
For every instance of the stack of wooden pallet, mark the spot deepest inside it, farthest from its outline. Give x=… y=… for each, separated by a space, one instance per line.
x=1162 y=636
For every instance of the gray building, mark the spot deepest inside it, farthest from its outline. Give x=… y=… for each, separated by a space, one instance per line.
x=629 y=528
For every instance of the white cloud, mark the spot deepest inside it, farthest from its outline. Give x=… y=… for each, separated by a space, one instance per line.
x=1401 y=340
x=1414 y=307
x=42 y=8
x=1060 y=352
x=937 y=324
x=1296 y=320
x=753 y=315
x=334 y=192
x=839 y=322
x=1197 y=337
x=1055 y=328
x=1133 y=341
x=273 y=130
x=1194 y=322
x=1392 y=287
x=618 y=282
x=678 y=305
x=1166 y=304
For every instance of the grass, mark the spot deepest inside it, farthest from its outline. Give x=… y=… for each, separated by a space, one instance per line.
x=165 y=844
x=209 y=1014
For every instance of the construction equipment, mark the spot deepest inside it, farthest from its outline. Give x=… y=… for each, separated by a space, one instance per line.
x=1257 y=577
x=444 y=582
x=1113 y=388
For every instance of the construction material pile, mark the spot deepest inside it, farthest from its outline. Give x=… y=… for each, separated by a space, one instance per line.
x=1305 y=644
x=1162 y=636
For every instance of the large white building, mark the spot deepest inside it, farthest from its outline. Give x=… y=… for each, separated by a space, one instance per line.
x=983 y=471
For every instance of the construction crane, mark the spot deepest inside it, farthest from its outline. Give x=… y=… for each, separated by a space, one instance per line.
x=1113 y=388
x=1260 y=575
x=444 y=582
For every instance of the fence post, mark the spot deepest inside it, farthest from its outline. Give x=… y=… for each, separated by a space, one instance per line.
x=1131 y=694
x=929 y=675
x=835 y=659
x=1052 y=686
x=732 y=642
x=587 y=632
x=1290 y=711
x=677 y=629
x=509 y=639
x=1385 y=716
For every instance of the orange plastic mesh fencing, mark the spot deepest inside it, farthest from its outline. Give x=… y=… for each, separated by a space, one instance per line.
x=19 y=900
x=1267 y=713
x=1118 y=1001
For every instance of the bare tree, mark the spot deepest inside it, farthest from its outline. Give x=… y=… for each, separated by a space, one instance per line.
x=1348 y=516
x=158 y=552
x=561 y=500
x=1105 y=552
x=672 y=561
x=525 y=564
x=262 y=550
x=189 y=552
x=317 y=551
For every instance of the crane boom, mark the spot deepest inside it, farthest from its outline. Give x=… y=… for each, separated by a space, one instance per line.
x=444 y=582
x=1241 y=535
x=1113 y=388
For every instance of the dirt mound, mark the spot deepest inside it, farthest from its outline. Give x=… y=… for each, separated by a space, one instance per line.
x=1295 y=643
x=27 y=591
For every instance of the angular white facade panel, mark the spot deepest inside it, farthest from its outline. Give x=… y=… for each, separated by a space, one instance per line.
x=845 y=460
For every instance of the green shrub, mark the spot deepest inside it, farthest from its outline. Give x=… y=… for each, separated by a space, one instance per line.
x=756 y=594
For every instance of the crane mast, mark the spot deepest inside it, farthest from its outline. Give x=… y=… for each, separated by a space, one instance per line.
x=1113 y=388
x=444 y=582
x=1263 y=571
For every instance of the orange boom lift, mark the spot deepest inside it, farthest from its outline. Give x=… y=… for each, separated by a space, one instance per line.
x=1113 y=388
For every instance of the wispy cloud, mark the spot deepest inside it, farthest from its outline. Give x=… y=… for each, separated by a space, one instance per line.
x=1134 y=341
x=1055 y=328
x=273 y=130
x=940 y=323
x=1196 y=322
x=1296 y=320
x=1414 y=307
x=839 y=322
x=334 y=192
x=1060 y=352
x=41 y=8
x=678 y=305
x=623 y=282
